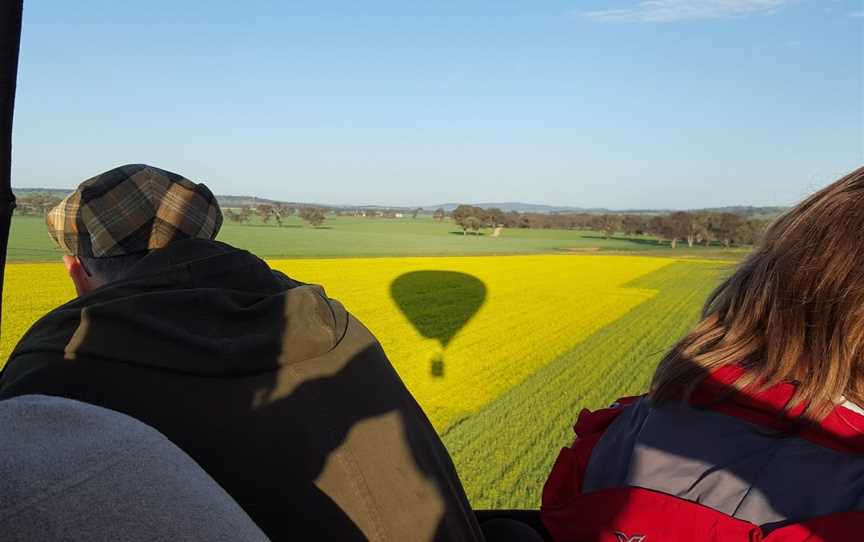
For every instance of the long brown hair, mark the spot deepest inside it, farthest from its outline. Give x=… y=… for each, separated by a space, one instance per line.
x=793 y=310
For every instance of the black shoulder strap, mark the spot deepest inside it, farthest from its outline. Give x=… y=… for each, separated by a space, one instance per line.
x=10 y=40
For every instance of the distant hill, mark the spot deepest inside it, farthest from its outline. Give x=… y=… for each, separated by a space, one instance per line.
x=238 y=201
x=513 y=206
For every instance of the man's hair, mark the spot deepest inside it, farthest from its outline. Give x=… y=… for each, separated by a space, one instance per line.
x=793 y=311
x=110 y=269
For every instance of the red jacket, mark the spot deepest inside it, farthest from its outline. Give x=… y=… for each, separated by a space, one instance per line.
x=733 y=469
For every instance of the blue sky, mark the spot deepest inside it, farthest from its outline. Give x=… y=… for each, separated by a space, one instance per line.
x=619 y=104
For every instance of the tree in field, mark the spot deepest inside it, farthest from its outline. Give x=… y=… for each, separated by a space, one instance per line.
x=684 y=226
x=728 y=227
x=472 y=223
x=439 y=215
x=281 y=212
x=493 y=217
x=266 y=212
x=690 y=226
x=416 y=212
x=704 y=233
x=661 y=226
x=608 y=224
x=678 y=226
x=558 y=221
x=634 y=225
x=461 y=214
x=245 y=213
x=582 y=221
x=511 y=219
x=315 y=216
x=38 y=203
x=657 y=227
x=238 y=215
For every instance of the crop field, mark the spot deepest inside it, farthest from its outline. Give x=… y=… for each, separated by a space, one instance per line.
x=343 y=237
x=502 y=352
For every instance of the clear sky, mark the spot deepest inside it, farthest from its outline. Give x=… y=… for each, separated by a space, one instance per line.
x=619 y=104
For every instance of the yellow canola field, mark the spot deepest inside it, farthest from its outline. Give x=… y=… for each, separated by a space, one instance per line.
x=459 y=330
x=30 y=290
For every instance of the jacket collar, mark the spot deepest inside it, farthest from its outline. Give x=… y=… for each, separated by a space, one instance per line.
x=195 y=263
x=842 y=429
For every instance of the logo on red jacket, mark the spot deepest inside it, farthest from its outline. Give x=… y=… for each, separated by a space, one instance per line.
x=626 y=538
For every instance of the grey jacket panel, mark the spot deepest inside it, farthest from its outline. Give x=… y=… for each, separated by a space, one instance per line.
x=725 y=463
x=76 y=472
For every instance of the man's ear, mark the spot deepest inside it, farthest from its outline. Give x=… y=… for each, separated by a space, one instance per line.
x=83 y=282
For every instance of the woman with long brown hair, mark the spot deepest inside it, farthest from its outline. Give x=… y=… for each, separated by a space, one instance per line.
x=753 y=427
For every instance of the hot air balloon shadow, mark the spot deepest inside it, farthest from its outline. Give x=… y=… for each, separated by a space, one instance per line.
x=439 y=304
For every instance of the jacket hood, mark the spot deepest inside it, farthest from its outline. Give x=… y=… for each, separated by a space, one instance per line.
x=196 y=306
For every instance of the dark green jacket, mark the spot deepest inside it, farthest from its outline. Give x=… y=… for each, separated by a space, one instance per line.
x=275 y=390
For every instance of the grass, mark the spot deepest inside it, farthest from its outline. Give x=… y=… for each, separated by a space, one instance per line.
x=534 y=419
x=364 y=237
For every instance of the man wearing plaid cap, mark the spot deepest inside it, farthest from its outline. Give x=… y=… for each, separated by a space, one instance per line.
x=282 y=396
x=115 y=218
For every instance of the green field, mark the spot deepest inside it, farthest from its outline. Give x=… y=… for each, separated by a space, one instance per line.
x=523 y=429
x=502 y=349
x=343 y=237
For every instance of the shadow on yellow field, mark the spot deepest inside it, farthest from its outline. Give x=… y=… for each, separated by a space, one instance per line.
x=439 y=304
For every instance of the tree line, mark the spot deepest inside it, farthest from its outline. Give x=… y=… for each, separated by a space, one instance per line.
x=692 y=228
x=39 y=203
x=277 y=212
x=706 y=227
x=36 y=203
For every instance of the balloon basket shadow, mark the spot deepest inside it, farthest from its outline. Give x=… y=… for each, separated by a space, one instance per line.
x=439 y=304
x=436 y=369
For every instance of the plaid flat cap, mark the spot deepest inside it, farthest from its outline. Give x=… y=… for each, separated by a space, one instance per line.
x=132 y=208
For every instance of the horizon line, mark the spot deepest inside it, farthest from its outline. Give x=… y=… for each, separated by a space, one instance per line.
x=485 y=205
